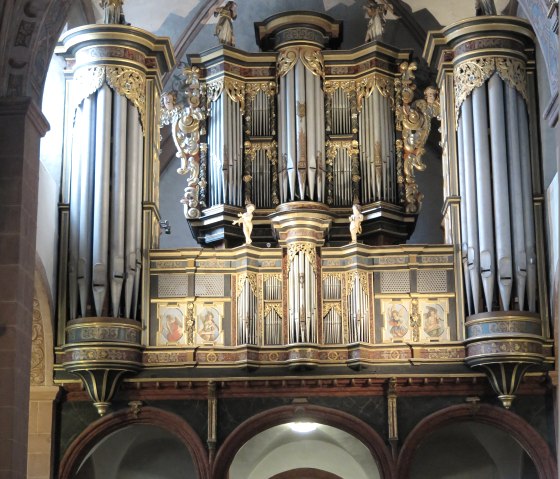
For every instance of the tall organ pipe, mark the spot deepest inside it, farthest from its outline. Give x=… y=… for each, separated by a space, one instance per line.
x=133 y=163
x=528 y=221
x=301 y=127
x=320 y=137
x=101 y=197
x=139 y=213
x=484 y=199
x=519 y=255
x=86 y=203
x=118 y=200
x=500 y=189
x=291 y=133
x=464 y=222
x=73 y=246
x=471 y=202
x=312 y=126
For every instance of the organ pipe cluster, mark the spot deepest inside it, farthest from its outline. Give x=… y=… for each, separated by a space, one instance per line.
x=490 y=156
x=293 y=125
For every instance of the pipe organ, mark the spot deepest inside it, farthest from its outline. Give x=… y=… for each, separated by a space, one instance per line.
x=109 y=216
x=306 y=147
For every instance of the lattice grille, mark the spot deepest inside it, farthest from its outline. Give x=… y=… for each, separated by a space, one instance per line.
x=395 y=282
x=432 y=281
x=209 y=285
x=173 y=285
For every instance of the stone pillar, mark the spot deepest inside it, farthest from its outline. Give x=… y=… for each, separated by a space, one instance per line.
x=39 y=454
x=21 y=127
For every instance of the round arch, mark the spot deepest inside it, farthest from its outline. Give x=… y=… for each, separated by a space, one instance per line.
x=531 y=441
x=96 y=431
x=322 y=415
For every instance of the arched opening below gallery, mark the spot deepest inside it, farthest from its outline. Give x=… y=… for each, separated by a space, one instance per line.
x=471 y=449
x=138 y=451
x=324 y=451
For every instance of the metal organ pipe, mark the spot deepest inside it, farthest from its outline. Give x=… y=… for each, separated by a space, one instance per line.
x=464 y=213
x=133 y=162
x=519 y=254
x=291 y=160
x=471 y=202
x=75 y=197
x=101 y=197
x=484 y=199
x=118 y=200
x=86 y=202
x=138 y=211
x=500 y=188
x=312 y=126
x=528 y=222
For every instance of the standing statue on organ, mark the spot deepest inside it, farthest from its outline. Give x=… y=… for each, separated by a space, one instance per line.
x=356 y=219
x=224 y=29
x=246 y=219
x=376 y=12
x=113 y=10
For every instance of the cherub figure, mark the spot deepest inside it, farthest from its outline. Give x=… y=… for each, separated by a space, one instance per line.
x=246 y=219
x=356 y=219
x=224 y=28
x=113 y=11
x=376 y=13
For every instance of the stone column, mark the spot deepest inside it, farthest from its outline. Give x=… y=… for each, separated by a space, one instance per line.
x=21 y=127
x=41 y=407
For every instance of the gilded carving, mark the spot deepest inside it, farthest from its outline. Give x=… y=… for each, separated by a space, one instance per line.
x=474 y=73
x=131 y=84
x=236 y=91
x=306 y=248
x=311 y=58
x=414 y=121
x=250 y=278
x=367 y=85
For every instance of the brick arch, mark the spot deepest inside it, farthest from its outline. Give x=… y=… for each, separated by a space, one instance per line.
x=322 y=415
x=531 y=441
x=151 y=416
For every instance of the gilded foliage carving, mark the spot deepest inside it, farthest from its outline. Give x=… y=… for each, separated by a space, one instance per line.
x=413 y=119
x=311 y=58
x=127 y=82
x=474 y=73
x=306 y=248
x=251 y=279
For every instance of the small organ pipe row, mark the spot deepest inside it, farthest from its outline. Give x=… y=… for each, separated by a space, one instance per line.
x=247 y=310
x=377 y=149
x=272 y=328
x=332 y=327
x=225 y=139
x=498 y=243
x=358 y=312
x=302 y=137
x=302 y=300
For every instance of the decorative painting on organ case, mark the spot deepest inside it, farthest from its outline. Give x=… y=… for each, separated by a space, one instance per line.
x=434 y=321
x=396 y=326
x=171 y=329
x=209 y=318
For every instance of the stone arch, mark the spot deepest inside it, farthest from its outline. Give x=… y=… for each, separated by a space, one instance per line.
x=535 y=446
x=96 y=431
x=322 y=415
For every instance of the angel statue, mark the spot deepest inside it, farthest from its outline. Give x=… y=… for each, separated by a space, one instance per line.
x=246 y=219
x=376 y=12
x=224 y=29
x=113 y=11
x=484 y=7
x=356 y=219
